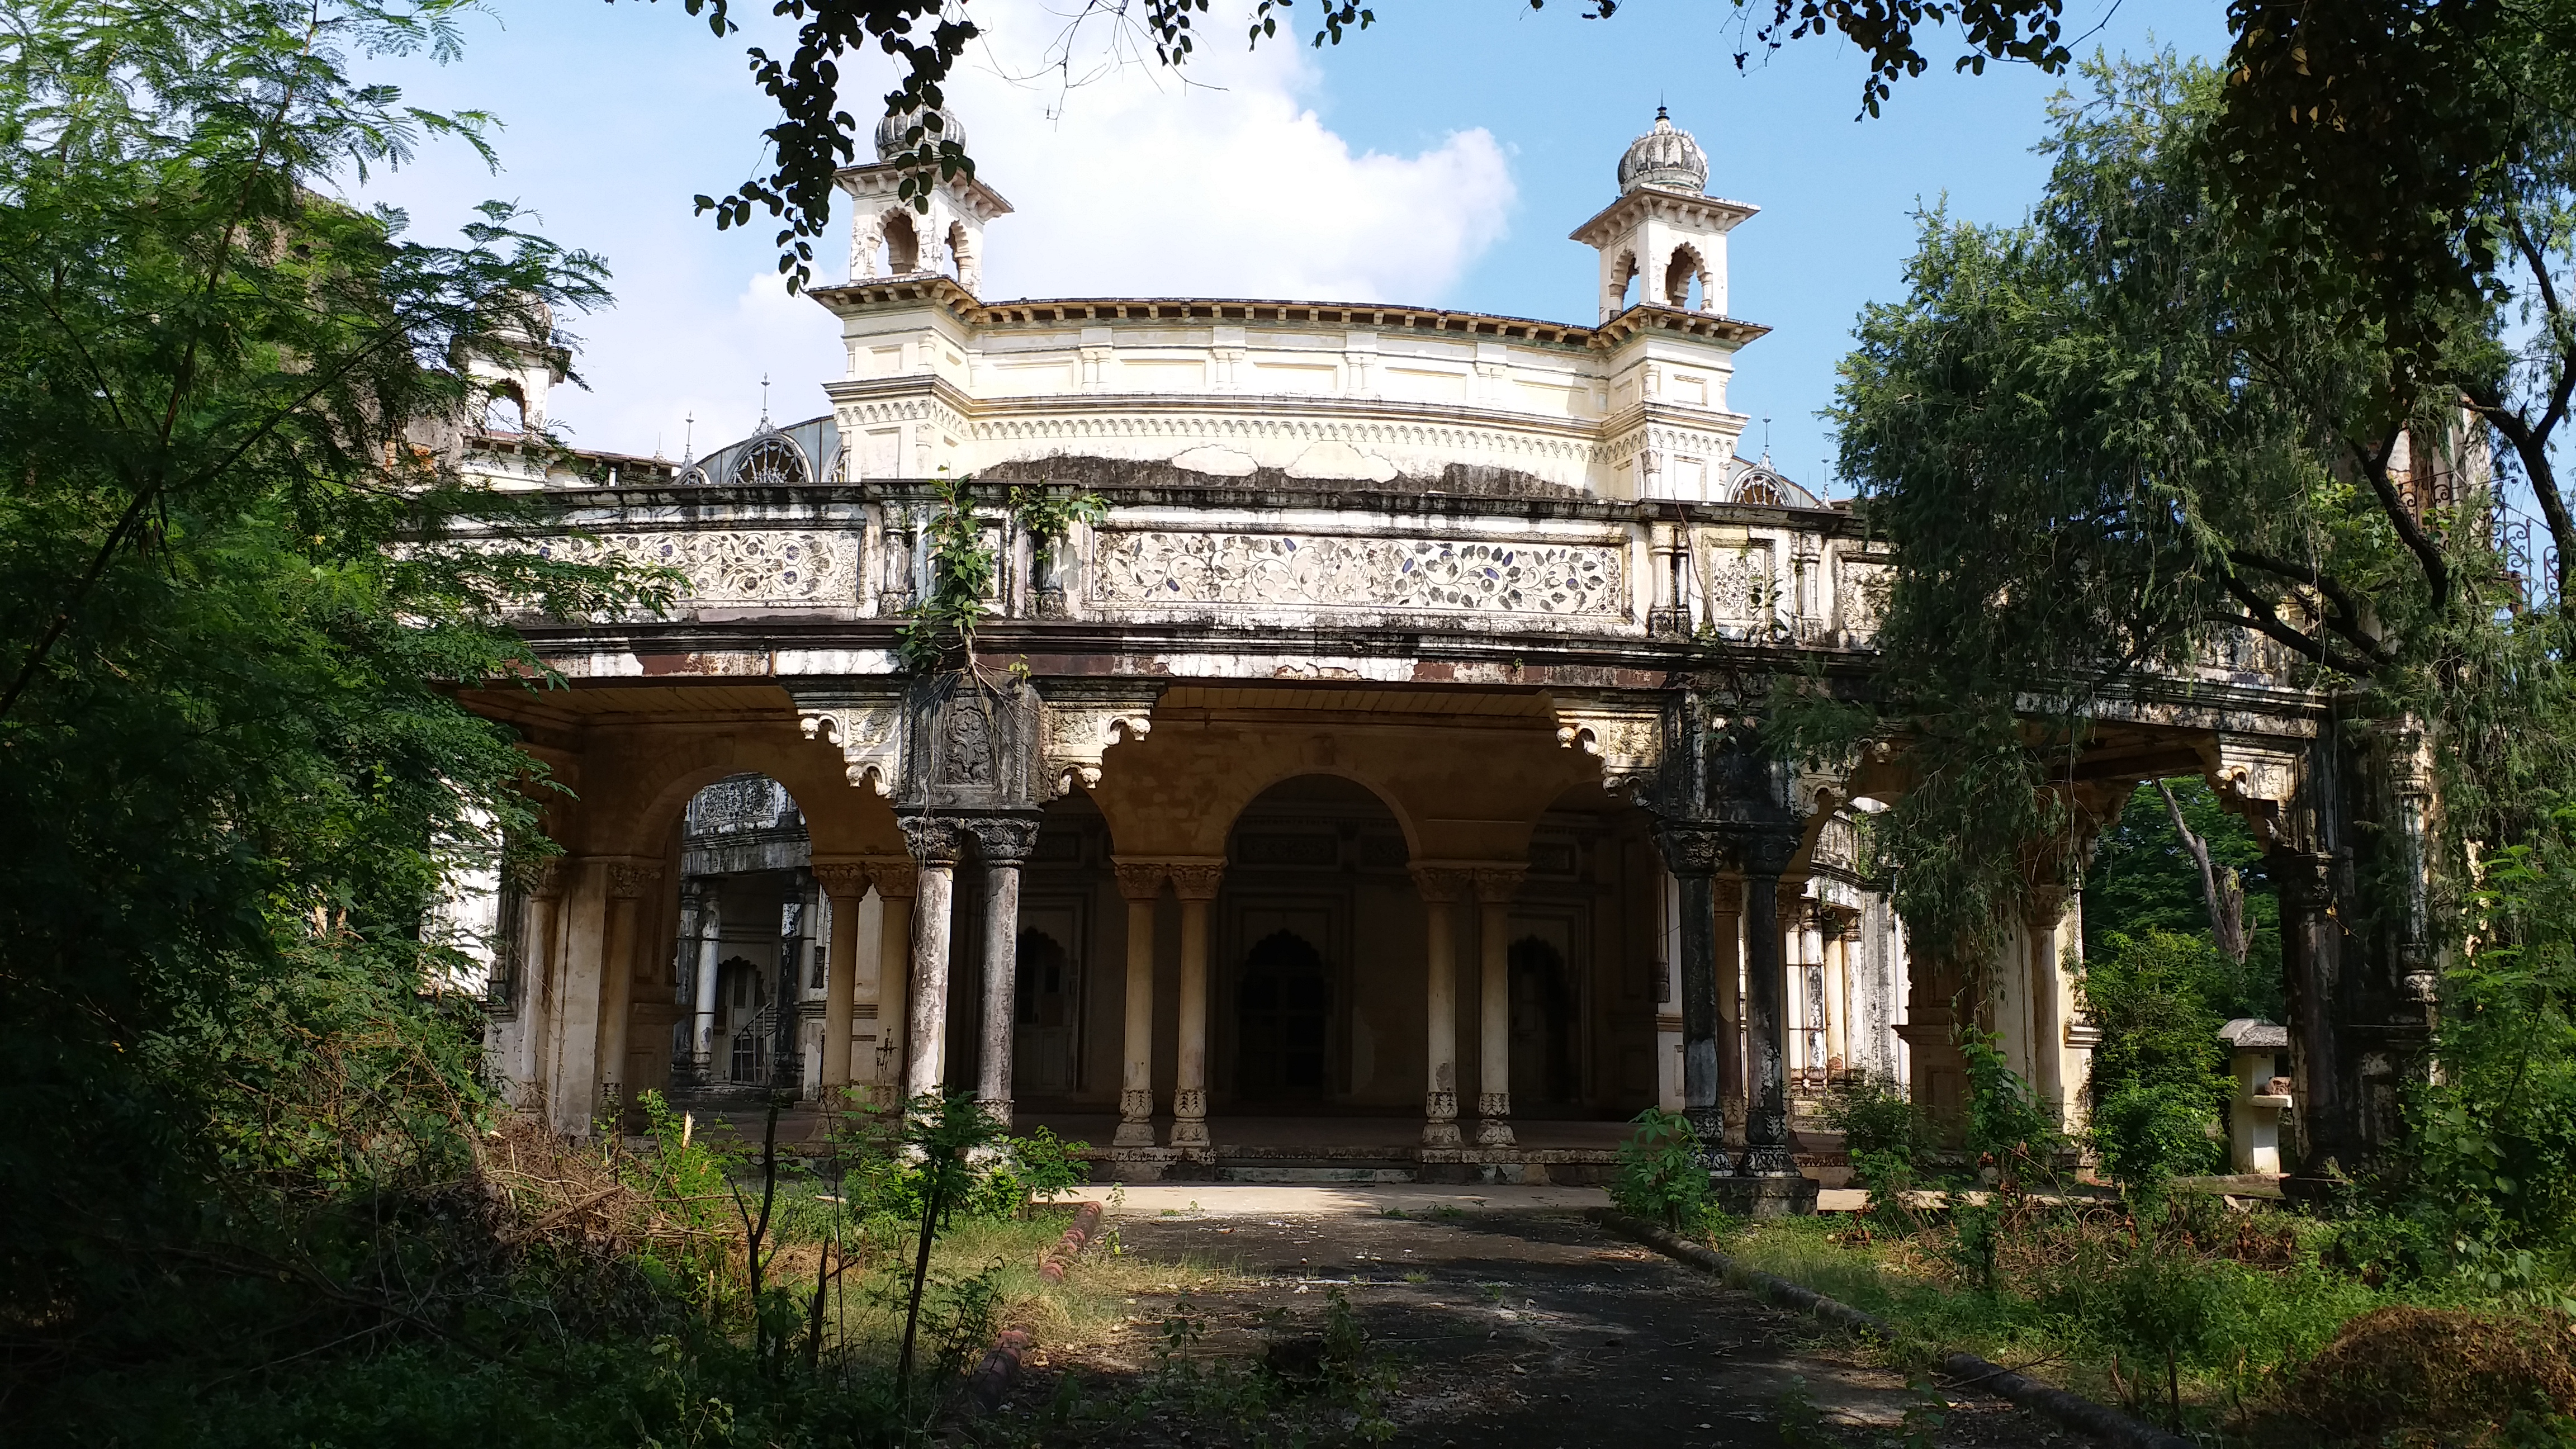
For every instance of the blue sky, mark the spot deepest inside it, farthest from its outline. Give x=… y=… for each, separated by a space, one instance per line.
x=1439 y=158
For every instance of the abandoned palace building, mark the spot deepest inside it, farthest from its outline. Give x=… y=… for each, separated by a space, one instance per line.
x=1359 y=795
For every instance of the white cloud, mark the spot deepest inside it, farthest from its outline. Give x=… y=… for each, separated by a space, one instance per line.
x=1231 y=185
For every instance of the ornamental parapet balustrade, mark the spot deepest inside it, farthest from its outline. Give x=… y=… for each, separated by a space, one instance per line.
x=1568 y=566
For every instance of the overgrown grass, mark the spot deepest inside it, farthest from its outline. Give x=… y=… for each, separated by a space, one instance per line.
x=2197 y=1316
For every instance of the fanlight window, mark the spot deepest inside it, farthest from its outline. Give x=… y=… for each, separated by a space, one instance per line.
x=1762 y=489
x=770 y=459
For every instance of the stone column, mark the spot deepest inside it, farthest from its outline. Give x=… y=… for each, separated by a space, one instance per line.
x=1495 y=887
x=845 y=885
x=1727 y=965
x=1004 y=844
x=1440 y=889
x=1793 y=997
x=540 y=1000
x=2046 y=925
x=1816 y=1005
x=934 y=843
x=1837 y=998
x=702 y=1026
x=1142 y=885
x=2311 y=959
x=628 y=882
x=1766 y=1118
x=1195 y=883
x=1693 y=851
x=786 y=1035
x=895 y=882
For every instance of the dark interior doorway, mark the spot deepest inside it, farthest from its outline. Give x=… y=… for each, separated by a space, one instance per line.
x=1284 y=1011
x=1545 y=1013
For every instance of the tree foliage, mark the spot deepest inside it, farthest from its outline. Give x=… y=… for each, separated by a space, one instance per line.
x=233 y=785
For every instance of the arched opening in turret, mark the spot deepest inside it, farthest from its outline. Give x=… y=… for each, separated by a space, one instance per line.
x=902 y=244
x=961 y=254
x=1623 y=277
x=1684 y=280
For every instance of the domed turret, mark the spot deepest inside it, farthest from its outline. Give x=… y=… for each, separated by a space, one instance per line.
x=1665 y=157
x=892 y=129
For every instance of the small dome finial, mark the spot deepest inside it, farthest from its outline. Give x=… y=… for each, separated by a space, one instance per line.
x=1665 y=157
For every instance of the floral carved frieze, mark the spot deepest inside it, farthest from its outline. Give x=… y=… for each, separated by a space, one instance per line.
x=734 y=566
x=1141 y=569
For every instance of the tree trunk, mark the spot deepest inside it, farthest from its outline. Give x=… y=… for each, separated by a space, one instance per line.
x=2223 y=892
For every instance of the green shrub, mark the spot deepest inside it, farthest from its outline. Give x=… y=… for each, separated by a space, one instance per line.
x=1663 y=1176
x=1887 y=1136
x=2146 y=1132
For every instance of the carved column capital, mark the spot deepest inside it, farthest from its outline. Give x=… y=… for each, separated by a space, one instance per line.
x=1003 y=839
x=1196 y=880
x=631 y=879
x=932 y=839
x=545 y=878
x=896 y=880
x=1442 y=884
x=1497 y=884
x=1140 y=880
x=1692 y=847
x=842 y=879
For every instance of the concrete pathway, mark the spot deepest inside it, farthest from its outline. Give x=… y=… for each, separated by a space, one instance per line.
x=1513 y=1320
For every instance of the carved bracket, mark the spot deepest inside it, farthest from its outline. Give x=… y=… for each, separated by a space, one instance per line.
x=1624 y=732
x=1077 y=736
x=2258 y=784
x=871 y=738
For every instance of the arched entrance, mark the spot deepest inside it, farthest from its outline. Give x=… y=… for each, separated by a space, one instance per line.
x=1319 y=938
x=1284 y=1016
x=752 y=952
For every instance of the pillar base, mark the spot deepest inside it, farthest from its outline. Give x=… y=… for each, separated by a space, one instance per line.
x=1189 y=1132
x=999 y=1110
x=1438 y=1133
x=1135 y=1120
x=1494 y=1132
x=1765 y=1195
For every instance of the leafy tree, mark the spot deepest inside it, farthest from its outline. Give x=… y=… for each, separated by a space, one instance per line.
x=233 y=784
x=2143 y=878
x=2160 y=1077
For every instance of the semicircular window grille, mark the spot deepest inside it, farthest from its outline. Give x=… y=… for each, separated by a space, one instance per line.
x=771 y=458
x=1760 y=488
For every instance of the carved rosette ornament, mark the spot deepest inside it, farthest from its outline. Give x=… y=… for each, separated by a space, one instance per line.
x=870 y=738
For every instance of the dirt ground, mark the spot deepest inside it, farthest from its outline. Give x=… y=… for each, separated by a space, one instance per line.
x=1518 y=1327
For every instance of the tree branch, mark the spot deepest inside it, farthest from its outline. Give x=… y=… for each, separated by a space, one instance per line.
x=2347 y=620
x=2428 y=554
